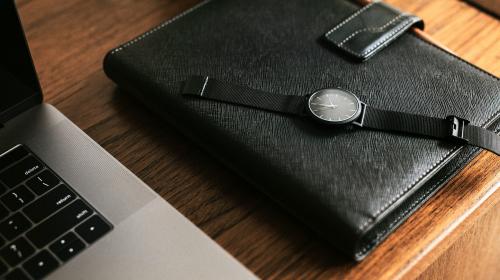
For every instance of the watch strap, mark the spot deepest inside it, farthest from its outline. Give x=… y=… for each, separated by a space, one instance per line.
x=483 y=138
x=210 y=88
x=404 y=122
x=452 y=127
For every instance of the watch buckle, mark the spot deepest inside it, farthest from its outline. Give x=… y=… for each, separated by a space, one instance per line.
x=457 y=128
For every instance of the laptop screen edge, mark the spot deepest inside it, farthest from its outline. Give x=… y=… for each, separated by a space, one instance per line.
x=35 y=95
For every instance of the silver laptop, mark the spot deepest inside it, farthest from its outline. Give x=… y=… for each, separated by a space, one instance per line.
x=68 y=209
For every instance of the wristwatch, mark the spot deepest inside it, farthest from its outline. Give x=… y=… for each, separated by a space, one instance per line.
x=335 y=106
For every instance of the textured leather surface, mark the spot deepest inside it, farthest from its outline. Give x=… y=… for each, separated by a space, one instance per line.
x=352 y=186
x=370 y=29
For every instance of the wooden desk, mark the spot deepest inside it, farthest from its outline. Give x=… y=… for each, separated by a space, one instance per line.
x=456 y=234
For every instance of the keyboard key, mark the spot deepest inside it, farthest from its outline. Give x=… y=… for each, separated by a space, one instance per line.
x=17 y=198
x=12 y=156
x=3 y=212
x=3 y=268
x=49 y=203
x=70 y=251
x=57 y=210
x=43 y=182
x=20 y=171
x=16 y=274
x=59 y=223
x=17 y=251
x=14 y=226
x=41 y=265
x=67 y=247
x=64 y=241
x=92 y=229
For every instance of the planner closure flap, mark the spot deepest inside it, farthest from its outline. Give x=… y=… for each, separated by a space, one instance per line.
x=370 y=29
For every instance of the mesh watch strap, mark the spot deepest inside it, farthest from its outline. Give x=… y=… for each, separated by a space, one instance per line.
x=210 y=88
x=451 y=128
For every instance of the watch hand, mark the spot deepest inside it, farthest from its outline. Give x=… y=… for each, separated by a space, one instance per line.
x=330 y=100
x=323 y=109
x=328 y=106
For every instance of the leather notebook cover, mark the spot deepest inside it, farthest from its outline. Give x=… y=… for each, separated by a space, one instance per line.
x=353 y=186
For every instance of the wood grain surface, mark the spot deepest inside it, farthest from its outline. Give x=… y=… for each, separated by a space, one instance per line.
x=69 y=39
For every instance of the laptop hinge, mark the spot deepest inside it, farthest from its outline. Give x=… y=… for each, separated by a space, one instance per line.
x=19 y=108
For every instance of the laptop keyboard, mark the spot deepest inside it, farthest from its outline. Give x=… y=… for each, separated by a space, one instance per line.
x=43 y=221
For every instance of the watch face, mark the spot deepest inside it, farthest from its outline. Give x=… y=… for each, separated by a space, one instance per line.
x=334 y=106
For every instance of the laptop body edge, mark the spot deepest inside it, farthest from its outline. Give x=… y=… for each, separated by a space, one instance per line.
x=150 y=239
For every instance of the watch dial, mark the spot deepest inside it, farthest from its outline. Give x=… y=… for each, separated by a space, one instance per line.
x=334 y=105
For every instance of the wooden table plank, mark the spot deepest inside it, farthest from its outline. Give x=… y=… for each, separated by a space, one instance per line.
x=69 y=40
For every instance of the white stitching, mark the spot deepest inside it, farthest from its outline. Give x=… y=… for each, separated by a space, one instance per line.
x=131 y=42
x=389 y=203
x=350 y=18
x=402 y=215
x=390 y=35
x=122 y=47
x=371 y=29
x=363 y=250
x=402 y=192
x=364 y=53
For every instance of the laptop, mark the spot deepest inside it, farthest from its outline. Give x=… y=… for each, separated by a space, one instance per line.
x=68 y=209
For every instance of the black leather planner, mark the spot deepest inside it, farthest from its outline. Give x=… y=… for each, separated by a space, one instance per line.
x=353 y=186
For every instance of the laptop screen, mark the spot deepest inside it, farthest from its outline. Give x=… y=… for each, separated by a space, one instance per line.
x=19 y=86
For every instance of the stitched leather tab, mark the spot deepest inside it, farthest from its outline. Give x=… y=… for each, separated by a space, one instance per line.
x=370 y=29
